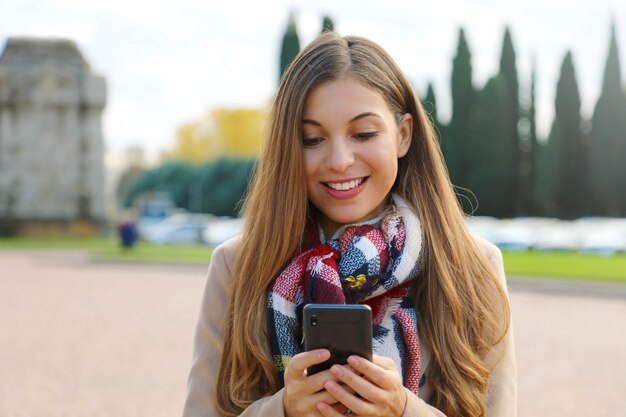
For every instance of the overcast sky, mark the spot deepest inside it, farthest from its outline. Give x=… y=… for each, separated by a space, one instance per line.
x=167 y=62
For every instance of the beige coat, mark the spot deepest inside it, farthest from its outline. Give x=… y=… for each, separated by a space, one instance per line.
x=501 y=397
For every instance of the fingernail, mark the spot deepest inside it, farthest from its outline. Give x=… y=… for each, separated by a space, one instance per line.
x=324 y=354
x=353 y=361
x=336 y=370
x=330 y=386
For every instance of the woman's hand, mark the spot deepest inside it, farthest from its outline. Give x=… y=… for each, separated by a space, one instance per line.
x=378 y=385
x=302 y=392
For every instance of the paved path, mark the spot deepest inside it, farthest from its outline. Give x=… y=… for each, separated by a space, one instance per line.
x=81 y=339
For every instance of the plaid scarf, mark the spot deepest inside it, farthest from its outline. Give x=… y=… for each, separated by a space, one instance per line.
x=370 y=264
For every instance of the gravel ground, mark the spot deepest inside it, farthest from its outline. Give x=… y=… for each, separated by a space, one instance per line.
x=84 y=339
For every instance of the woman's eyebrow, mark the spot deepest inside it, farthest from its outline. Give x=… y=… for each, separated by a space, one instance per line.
x=311 y=122
x=354 y=119
x=362 y=115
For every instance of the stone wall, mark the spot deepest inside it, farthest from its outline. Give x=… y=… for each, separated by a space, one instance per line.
x=51 y=147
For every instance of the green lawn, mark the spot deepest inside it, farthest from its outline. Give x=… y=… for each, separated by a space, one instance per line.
x=566 y=265
x=558 y=264
x=110 y=250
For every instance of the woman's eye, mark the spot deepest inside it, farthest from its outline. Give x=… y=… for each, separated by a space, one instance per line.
x=365 y=135
x=308 y=142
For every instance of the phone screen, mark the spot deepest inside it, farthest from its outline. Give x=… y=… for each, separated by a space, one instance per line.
x=344 y=329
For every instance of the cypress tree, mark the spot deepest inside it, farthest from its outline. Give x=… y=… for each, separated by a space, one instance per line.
x=532 y=116
x=430 y=105
x=608 y=140
x=508 y=72
x=528 y=165
x=328 y=25
x=544 y=169
x=544 y=203
x=490 y=156
x=569 y=182
x=535 y=177
x=290 y=46
x=457 y=139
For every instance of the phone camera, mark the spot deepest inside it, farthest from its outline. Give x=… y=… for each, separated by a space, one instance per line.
x=314 y=320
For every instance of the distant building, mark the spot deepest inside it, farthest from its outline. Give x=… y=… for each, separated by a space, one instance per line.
x=51 y=147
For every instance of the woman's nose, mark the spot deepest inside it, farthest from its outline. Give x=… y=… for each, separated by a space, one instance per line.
x=340 y=155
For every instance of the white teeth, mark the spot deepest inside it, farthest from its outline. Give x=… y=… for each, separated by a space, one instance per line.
x=343 y=186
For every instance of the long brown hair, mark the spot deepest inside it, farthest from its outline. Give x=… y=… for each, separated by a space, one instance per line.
x=462 y=308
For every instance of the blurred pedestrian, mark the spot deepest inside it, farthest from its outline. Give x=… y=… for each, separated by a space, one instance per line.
x=127 y=231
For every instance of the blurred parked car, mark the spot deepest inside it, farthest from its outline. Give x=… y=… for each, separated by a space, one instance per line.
x=558 y=235
x=604 y=236
x=483 y=226
x=221 y=229
x=179 y=228
x=517 y=234
x=152 y=209
x=184 y=234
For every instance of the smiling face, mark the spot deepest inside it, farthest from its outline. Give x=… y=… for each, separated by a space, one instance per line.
x=352 y=142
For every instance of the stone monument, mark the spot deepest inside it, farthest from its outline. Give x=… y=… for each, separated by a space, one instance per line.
x=51 y=147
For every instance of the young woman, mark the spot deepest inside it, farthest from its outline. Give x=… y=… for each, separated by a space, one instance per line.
x=351 y=203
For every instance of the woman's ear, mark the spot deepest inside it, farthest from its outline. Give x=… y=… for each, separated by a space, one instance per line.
x=406 y=134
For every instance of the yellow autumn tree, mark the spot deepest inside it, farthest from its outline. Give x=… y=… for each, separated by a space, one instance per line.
x=189 y=145
x=221 y=132
x=239 y=131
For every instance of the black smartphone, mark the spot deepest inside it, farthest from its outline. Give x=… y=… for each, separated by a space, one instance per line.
x=344 y=329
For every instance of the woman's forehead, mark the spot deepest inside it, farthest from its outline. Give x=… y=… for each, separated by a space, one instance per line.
x=345 y=98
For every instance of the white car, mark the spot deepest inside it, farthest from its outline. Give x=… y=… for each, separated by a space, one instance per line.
x=603 y=236
x=180 y=228
x=184 y=234
x=561 y=235
x=221 y=229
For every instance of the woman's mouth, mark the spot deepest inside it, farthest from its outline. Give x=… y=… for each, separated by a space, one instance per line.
x=345 y=185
